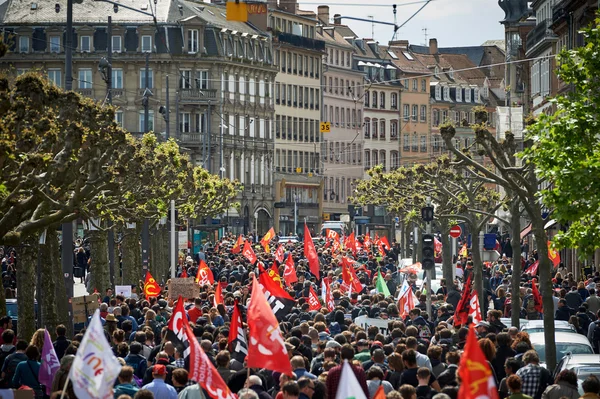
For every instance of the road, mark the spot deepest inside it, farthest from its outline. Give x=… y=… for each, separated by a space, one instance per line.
x=79 y=289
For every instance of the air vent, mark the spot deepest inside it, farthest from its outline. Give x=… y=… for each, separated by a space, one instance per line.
x=34 y=6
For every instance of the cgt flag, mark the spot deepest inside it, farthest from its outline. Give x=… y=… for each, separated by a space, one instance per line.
x=475 y=310
x=537 y=298
x=289 y=273
x=553 y=255
x=204 y=276
x=218 y=297
x=327 y=296
x=248 y=253
x=176 y=333
x=279 y=253
x=267 y=239
x=266 y=348
x=238 y=345
x=477 y=379
x=237 y=247
x=151 y=287
x=280 y=301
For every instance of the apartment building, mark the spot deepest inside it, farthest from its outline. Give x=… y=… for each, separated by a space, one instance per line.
x=342 y=147
x=298 y=180
x=219 y=72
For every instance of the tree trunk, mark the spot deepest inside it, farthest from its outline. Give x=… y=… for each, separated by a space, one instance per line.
x=2 y=302
x=50 y=268
x=545 y=271
x=163 y=265
x=477 y=266
x=99 y=267
x=26 y=278
x=515 y=242
x=131 y=255
x=446 y=254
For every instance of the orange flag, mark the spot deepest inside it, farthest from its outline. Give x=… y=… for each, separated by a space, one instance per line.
x=474 y=371
x=151 y=287
x=218 y=295
x=267 y=239
x=311 y=253
x=553 y=255
x=204 y=276
x=237 y=247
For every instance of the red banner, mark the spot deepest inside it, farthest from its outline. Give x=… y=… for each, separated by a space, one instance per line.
x=204 y=276
x=248 y=252
x=313 y=300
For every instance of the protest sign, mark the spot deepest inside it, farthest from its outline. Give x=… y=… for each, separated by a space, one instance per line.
x=84 y=307
x=124 y=290
x=186 y=287
x=365 y=322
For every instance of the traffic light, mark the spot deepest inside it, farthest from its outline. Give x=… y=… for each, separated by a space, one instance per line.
x=428 y=261
x=427 y=213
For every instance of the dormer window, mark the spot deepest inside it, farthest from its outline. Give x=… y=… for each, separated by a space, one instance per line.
x=468 y=95
x=446 y=93
x=451 y=73
x=436 y=72
x=477 y=99
x=458 y=94
x=438 y=92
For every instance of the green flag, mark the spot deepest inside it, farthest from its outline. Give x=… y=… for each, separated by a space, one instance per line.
x=381 y=285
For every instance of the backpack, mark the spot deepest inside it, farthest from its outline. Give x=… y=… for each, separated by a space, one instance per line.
x=9 y=372
x=424 y=332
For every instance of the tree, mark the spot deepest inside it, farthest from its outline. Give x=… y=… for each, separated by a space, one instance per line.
x=566 y=148
x=521 y=181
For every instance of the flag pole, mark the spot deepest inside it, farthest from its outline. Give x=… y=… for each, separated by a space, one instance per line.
x=64 y=390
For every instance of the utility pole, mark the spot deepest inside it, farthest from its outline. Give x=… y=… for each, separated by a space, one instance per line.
x=430 y=272
x=109 y=59
x=146 y=99
x=167 y=116
x=173 y=241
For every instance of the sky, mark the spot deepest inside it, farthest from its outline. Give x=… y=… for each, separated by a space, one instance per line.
x=453 y=23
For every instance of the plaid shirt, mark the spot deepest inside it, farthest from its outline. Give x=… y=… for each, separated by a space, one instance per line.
x=531 y=376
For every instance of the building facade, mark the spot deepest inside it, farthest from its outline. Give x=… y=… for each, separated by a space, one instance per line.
x=219 y=76
x=298 y=173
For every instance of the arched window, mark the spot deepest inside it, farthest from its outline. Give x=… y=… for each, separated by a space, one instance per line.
x=375 y=128
x=382 y=129
x=394 y=101
x=367 y=159
x=382 y=159
x=374 y=98
x=367 y=98
x=375 y=156
x=367 y=128
x=382 y=100
x=394 y=160
x=436 y=117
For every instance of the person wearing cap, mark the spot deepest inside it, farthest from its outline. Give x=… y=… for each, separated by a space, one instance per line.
x=482 y=328
x=364 y=354
x=158 y=386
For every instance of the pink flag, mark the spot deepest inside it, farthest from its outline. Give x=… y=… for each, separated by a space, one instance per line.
x=50 y=363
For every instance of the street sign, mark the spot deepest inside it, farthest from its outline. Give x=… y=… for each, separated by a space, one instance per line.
x=279 y=204
x=455 y=231
x=325 y=127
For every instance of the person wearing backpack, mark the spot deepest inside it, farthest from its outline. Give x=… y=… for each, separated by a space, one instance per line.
x=136 y=361
x=11 y=362
x=7 y=347
x=593 y=333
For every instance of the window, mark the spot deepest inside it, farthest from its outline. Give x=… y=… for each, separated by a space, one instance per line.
x=119 y=117
x=406 y=84
x=55 y=44
x=185 y=80
x=367 y=96
x=423 y=85
x=367 y=128
x=423 y=113
x=444 y=116
x=394 y=101
x=146 y=44
x=436 y=143
x=415 y=112
x=375 y=129
x=446 y=93
x=382 y=129
x=423 y=143
x=201 y=79
x=477 y=97
x=116 y=44
x=436 y=72
x=117 y=78
x=395 y=160
x=394 y=130
x=185 y=122
x=85 y=78
x=85 y=44
x=406 y=142
x=415 y=85
x=374 y=102
x=438 y=92
x=459 y=94
x=23 y=44
x=143 y=78
x=415 y=144
x=142 y=121
x=468 y=95
x=406 y=112
x=55 y=76
x=436 y=117
x=382 y=100
x=451 y=73
x=21 y=71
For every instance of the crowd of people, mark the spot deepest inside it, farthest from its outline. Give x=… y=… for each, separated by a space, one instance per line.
x=415 y=357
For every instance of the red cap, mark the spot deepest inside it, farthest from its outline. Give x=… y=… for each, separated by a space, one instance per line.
x=377 y=343
x=159 y=369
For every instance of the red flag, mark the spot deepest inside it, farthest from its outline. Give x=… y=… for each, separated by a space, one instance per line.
x=461 y=314
x=279 y=254
x=151 y=287
x=248 y=252
x=349 y=275
x=336 y=247
x=406 y=303
x=313 y=300
x=273 y=273
x=311 y=253
x=203 y=371
x=412 y=269
x=237 y=247
x=533 y=269
x=289 y=274
x=326 y=295
x=178 y=316
x=437 y=247
x=475 y=310
x=184 y=273
x=238 y=345
x=536 y=297
x=267 y=239
x=349 y=243
x=204 y=276
x=384 y=241
x=218 y=297
x=266 y=348
x=477 y=379
x=553 y=255
x=332 y=234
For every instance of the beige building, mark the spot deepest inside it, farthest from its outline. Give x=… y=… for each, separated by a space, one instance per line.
x=342 y=147
x=298 y=172
x=220 y=77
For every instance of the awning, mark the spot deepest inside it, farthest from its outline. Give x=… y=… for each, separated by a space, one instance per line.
x=549 y=224
x=526 y=231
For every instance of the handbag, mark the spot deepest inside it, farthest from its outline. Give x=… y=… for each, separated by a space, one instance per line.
x=39 y=393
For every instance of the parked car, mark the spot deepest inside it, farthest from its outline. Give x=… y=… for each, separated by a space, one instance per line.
x=11 y=310
x=534 y=326
x=566 y=343
x=582 y=365
x=507 y=321
x=287 y=239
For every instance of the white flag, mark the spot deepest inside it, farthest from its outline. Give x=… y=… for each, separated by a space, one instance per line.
x=349 y=387
x=324 y=291
x=403 y=289
x=95 y=368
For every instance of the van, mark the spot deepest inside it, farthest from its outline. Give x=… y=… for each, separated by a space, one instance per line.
x=338 y=227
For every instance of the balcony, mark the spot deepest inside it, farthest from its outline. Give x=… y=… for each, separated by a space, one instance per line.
x=559 y=12
x=301 y=41
x=86 y=92
x=191 y=138
x=197 y=95
x=539 y=35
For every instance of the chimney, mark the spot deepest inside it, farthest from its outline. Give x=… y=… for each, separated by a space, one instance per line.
x=403 y=44
x=433 y=47
x=337 y=20
x=323 y=14
x=272 y=4
x=291 y=6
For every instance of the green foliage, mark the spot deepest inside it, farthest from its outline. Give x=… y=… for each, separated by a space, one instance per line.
x=566 y=148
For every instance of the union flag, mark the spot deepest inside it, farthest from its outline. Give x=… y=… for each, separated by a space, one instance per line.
x=477 y=379
x=553 y=255
x=237 y=247
x=151 y=287
x=267 y=239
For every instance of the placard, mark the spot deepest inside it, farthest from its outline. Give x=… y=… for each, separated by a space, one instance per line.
x=365 y=322
x=124 y=290
x=186 y=287
x=84 y=307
